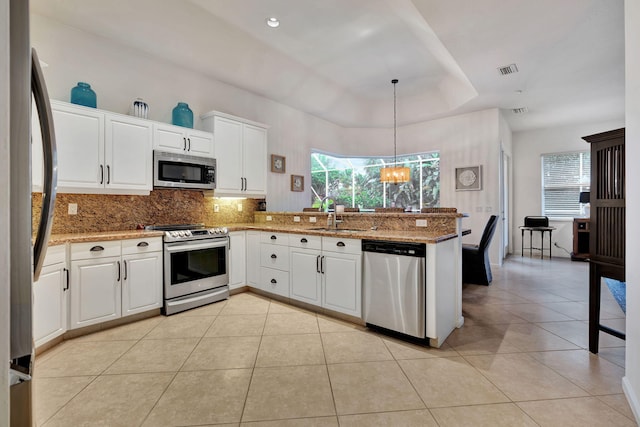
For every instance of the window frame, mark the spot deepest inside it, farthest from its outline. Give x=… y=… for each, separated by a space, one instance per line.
x=583 y=185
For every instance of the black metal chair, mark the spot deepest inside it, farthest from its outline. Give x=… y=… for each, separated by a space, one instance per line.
x=475 y=258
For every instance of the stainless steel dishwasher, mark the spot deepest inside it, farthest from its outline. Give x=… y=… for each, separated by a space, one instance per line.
x=394 y=286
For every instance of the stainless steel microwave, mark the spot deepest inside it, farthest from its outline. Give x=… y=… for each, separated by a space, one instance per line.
x=171 y=170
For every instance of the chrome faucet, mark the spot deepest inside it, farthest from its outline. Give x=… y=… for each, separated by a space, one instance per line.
x=324 y=199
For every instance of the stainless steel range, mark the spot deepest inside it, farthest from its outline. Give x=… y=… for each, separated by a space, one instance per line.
x=196 y=266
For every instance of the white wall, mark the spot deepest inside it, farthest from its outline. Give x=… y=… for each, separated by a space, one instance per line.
x=631 y=381
x=527 y=192
x=4 y=212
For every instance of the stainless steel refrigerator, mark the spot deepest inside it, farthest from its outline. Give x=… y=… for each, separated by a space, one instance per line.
x=25 y=258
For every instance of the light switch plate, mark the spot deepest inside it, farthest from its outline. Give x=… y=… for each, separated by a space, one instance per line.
x=239 y=207
x=216 y=207
x=312 y=219
x=296 y=219
x=269 y=218
x=421 y=222
x=73 y=209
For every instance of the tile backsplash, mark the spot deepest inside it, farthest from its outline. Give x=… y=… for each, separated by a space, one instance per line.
x=101 y=212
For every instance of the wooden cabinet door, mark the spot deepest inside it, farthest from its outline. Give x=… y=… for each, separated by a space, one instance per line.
x=237 y=259
x=141 y=282
x=128 y=154
x=169 y=138
x=255 y=159
x=253 y=258
x=305 y=278
x=95 y=291
x=228 y=149
x=200 y=143
x=342 y=290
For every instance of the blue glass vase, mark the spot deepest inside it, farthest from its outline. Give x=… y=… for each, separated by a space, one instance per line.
x=82 y=94
x=182 y=115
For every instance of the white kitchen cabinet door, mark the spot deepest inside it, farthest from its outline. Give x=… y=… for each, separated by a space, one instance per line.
x=141 y=282
x=253 y=258
x=342 y=290
x=169 y=138
x=237 y=259
x=128 y=154
x=305 y=277
x=95 y=291
x=228 y=148
x=255 y=159
x=50 y=303
x=80 y=144
x=200 y=143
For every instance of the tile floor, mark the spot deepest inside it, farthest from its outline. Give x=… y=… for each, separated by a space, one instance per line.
x=519 y=360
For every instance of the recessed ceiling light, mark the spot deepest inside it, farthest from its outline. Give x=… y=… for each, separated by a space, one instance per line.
x=273 y=22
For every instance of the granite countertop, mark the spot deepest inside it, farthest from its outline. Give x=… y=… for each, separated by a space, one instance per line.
x=61 y=239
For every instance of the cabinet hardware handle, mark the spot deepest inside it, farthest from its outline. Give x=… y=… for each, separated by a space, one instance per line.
x=66 y=273
x=143 y=244
x=108 y=174
x=118 y=279
x=274 y=281
x=185 y=143
x=303 y=240
x=125 y=270
x=241 y=183
x=101 y=174
x=274 y=256
x=341 y=244
x=189 y=140
x=318 y=264
x=273 y=237
x=245 y=184
x=96 y=249
x=322 y=264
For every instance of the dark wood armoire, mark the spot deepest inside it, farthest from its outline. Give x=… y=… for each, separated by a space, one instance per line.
x=607 y=223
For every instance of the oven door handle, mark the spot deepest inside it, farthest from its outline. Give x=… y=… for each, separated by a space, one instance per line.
x=182 y=247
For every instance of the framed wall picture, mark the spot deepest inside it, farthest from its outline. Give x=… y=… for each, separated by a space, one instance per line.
x=278 y=163
x=297 y=183
x=469 y=178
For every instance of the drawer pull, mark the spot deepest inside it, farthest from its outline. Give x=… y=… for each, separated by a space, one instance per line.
x=118 y=279
x=96 y=248
x=142 y=244
x=66 y=272
x=340 y=244
x=303 y=240
x=273 y=237
x=274 y=256
x=274 y=281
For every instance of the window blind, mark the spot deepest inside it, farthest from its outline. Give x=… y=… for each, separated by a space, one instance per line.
x=564 y=176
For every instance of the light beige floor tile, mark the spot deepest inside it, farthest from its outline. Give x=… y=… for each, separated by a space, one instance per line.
x=113 y=400
x=492 y=296
x=246 y=303
x=535 y=313
x=290 y=350
x=480 y=339
x=530 y=337
x=577 y=332
x=51 y=394
x=328 y=324
x=614 y=355
x=83 y=358
x=291 y=323
x=154 y=356
x=521 y=377
x=475 y=314
x=539 y=296
x=281 y=308
x=237 y=326
x=580 y=412
x=223 y=353
x=372 y=387
x=419 y=418
x=450 y=382
x=498 y=415
x=406 y=350
x=206 y=310
x=288 y=392
x=576 y=310
x=619 y=403
x=181 y=327
x=592 y=373
x=298 y=422
x=132 y=331
x=341 y=347
x=204 y=397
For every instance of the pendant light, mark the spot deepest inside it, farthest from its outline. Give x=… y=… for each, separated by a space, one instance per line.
x=395 y=174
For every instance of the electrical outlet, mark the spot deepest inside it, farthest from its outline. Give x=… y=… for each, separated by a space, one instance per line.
x=312 y=219
x=216 y=207
x=239 y=207
x=269 y=218
x=421 y=222
x=73 y=209
x=296 y=219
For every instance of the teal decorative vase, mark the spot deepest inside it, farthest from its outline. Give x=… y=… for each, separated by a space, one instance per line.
x=182 y=115
x=82 y=94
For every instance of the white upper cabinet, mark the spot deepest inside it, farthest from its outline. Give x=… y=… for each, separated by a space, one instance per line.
x=241 y=154
x=128 y=153
x=178 y=139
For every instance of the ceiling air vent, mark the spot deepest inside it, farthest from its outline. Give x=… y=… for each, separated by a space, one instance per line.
x=520 y=110
x=508 y=69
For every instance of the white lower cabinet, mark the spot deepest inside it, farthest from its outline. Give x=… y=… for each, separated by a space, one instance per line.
x=253 y=258
x=274 y=263
x=342 y=283
x=306 y=278
x=112 y=279
x=237 y=259
x=50 y=297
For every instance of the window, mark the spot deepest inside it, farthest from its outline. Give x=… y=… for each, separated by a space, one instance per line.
x=355 y=181
x=564 y=176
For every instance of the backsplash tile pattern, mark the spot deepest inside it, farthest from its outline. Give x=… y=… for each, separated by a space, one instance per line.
x=102 y=212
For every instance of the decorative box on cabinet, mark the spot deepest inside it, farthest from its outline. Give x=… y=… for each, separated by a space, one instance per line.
x=50 y=297
x=580 y=239
x=241 y=152
x=178 y=139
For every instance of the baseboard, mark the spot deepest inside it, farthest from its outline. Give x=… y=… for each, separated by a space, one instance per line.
x=632 y=398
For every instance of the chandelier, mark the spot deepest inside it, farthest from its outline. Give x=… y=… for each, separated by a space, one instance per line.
x=395 y=174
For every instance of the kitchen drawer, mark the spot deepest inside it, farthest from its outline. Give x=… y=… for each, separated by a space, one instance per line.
x=100 y=250
x=340 y=245
x=274 y=256
x=274 y=281
x=275 y=238
x=304 y=241
x=138 y=246
x=55 y=255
